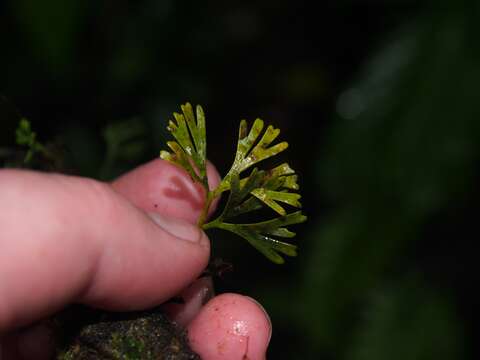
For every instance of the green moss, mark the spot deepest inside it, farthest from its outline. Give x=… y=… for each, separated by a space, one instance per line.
x=127 y=336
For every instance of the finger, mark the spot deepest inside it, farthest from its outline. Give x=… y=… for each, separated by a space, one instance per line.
x=66 y=238
x=186 y=305
x=230 y=326
x=161 y=187
x=35 y=342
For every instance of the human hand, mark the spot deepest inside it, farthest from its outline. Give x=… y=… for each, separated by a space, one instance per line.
x=128 y=245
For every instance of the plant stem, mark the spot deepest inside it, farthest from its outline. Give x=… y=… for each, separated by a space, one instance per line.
x=217 y=223
x=204 y=214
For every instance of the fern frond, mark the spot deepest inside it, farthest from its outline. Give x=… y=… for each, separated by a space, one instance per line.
x=190 y=149
x=274 y=188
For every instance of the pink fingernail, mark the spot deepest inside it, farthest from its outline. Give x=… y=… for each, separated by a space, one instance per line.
x=177 y=227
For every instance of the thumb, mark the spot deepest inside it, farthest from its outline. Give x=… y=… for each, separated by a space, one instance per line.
x=163 y=188
x=68 y=239
x=170 y=199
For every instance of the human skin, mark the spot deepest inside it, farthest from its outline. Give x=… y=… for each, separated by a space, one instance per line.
x=128 y=245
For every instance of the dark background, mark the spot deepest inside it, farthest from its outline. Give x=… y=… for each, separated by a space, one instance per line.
x=379 y=101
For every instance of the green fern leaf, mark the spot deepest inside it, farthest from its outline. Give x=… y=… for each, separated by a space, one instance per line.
x=190 y=149
x=274 y=188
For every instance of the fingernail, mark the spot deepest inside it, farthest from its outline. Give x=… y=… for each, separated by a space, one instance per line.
x=177 y=227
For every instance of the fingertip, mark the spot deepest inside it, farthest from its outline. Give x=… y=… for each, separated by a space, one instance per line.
x=230 y=326
x=83 y=242
x=161 y=187
x=213 y=176
x=136 y=272
x=192 y=299
x=214 y=180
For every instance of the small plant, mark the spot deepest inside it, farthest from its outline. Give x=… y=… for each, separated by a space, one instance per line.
x=261 y=188
x=84 y=333
x=25 y=136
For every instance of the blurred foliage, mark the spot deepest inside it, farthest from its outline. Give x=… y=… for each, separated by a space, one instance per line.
x=405 y=148
x=25 y=136
x=383 y=92
x=407 y=321
x=125 y=142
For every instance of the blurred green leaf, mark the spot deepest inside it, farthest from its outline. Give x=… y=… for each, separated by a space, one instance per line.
x=25 y=136
x=348 y=257
x=24 y=133
x=408 y=321
x=415 y=127
x=51 y=26
x=125 y=142
x=403 y=148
